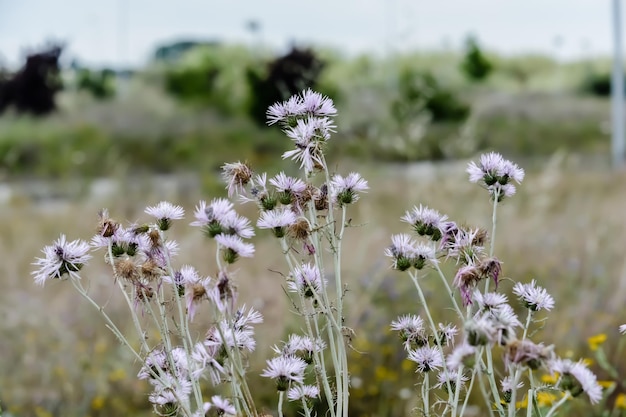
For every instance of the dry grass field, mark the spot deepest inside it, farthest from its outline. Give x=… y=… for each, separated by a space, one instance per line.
x=566 y=228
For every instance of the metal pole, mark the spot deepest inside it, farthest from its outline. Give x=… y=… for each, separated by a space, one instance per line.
x=617 y=89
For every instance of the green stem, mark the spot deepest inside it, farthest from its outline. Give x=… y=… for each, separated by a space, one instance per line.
x=493 y=231
x=558 y=404
x=281 y=394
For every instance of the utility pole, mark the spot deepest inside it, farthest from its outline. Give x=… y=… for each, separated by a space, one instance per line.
x=617 y=89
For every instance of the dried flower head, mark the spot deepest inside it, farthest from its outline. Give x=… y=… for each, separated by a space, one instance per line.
x=236 y=175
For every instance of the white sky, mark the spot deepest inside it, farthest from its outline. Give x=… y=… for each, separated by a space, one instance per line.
x=124 y=32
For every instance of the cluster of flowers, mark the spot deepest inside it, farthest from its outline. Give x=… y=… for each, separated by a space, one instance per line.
x=489 y=320
x=141 y=255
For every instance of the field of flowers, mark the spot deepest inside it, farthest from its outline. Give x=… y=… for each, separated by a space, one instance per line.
x=563 y=228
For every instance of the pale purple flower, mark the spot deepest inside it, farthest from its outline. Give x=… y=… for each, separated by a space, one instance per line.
x=446 y=333
x=62 y=257
x=534 y=297
x=196 y=289
x=226 y=336
x=155 y=362
x=317 y=104
x=406 y=252
x=278 y=220
x=307 y=280
x=464 y=354
x=576 y=376
x=286 y=184
x=464 y=247
x=449 y=378
x=165 y=211
x=504 y=321
x=527 y=353
x=345 y=190
x=302 y=392
x=507 y=384
x=622 y=329
x=205 y=358
x=280 y=112
x=236 y=175
x=222 y=406
x=495 y=174
x=426 y=221
x=489 y=301
x=427 y=358
x=216 y=211
x=285 y=370
x=411 y=330
x=234 y=247
x=303 y=347
x=481 y=331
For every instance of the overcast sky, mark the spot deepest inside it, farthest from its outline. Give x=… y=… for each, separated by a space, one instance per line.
x=125 y=32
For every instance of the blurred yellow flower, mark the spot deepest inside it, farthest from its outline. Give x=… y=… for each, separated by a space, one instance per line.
x=588 y=361
x=550 y=379
x=522 y=404
x=97 y=403
x=606 y=384
x=595 y=341
x=620 y=401
x=118 y=374
x=545 y=399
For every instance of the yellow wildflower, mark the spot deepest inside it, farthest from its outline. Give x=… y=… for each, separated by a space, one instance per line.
x=550 y=379
x=595 y=341
x=545 y=399
x=620 y=401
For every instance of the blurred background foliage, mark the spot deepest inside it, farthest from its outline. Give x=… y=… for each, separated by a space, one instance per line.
x=197 y=105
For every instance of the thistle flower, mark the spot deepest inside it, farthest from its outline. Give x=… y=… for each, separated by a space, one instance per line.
x=406 y=252
x=534 y=297
x=236 y=175
x=62 y=257
x=464 y=354
x=196 y=289
x=285 y=370
x=288 y=187
x=211 y=216
x=412 y=331
x=577 y=378
x=221 y=406
x=303 y=347
x=164 y=213
x=426 y=222
x=234 y=247
x=480 y=331
x=495 y=173
x=282 y=112
x=309 y=137
x=507 y=388
x=346 y=190
x=622 y=329
x=302 y=392
x=307 y=280
x=427 y=358
x=489 y=301
x=317 y=105
x=446 y=333
x=278 y=220
x=450 y=378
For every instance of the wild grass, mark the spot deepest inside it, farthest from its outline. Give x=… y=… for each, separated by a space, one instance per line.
x=565 y=228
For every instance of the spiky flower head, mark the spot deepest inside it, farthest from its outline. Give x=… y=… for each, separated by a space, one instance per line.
x=427 y=358
x=61 y=258
x=236 y=175
x=411 y=330
x=278 y=220
x=576 y=378
x=164 y=213
x=345 y=190
x=533 y=296
x=307 y=280
x=234 y=247
x=407 y=253
x=303 y=392
x=495 y=173
x=426 y=222
x=285 y=370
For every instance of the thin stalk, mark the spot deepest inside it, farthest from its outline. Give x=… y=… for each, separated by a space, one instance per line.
x=492 y=382
x=457 y=390
x=432 y=326
x=493 y=231
x=558 y=404
x=467 y=394
x=449 y=290
x=425 y=395
x=281 y=394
